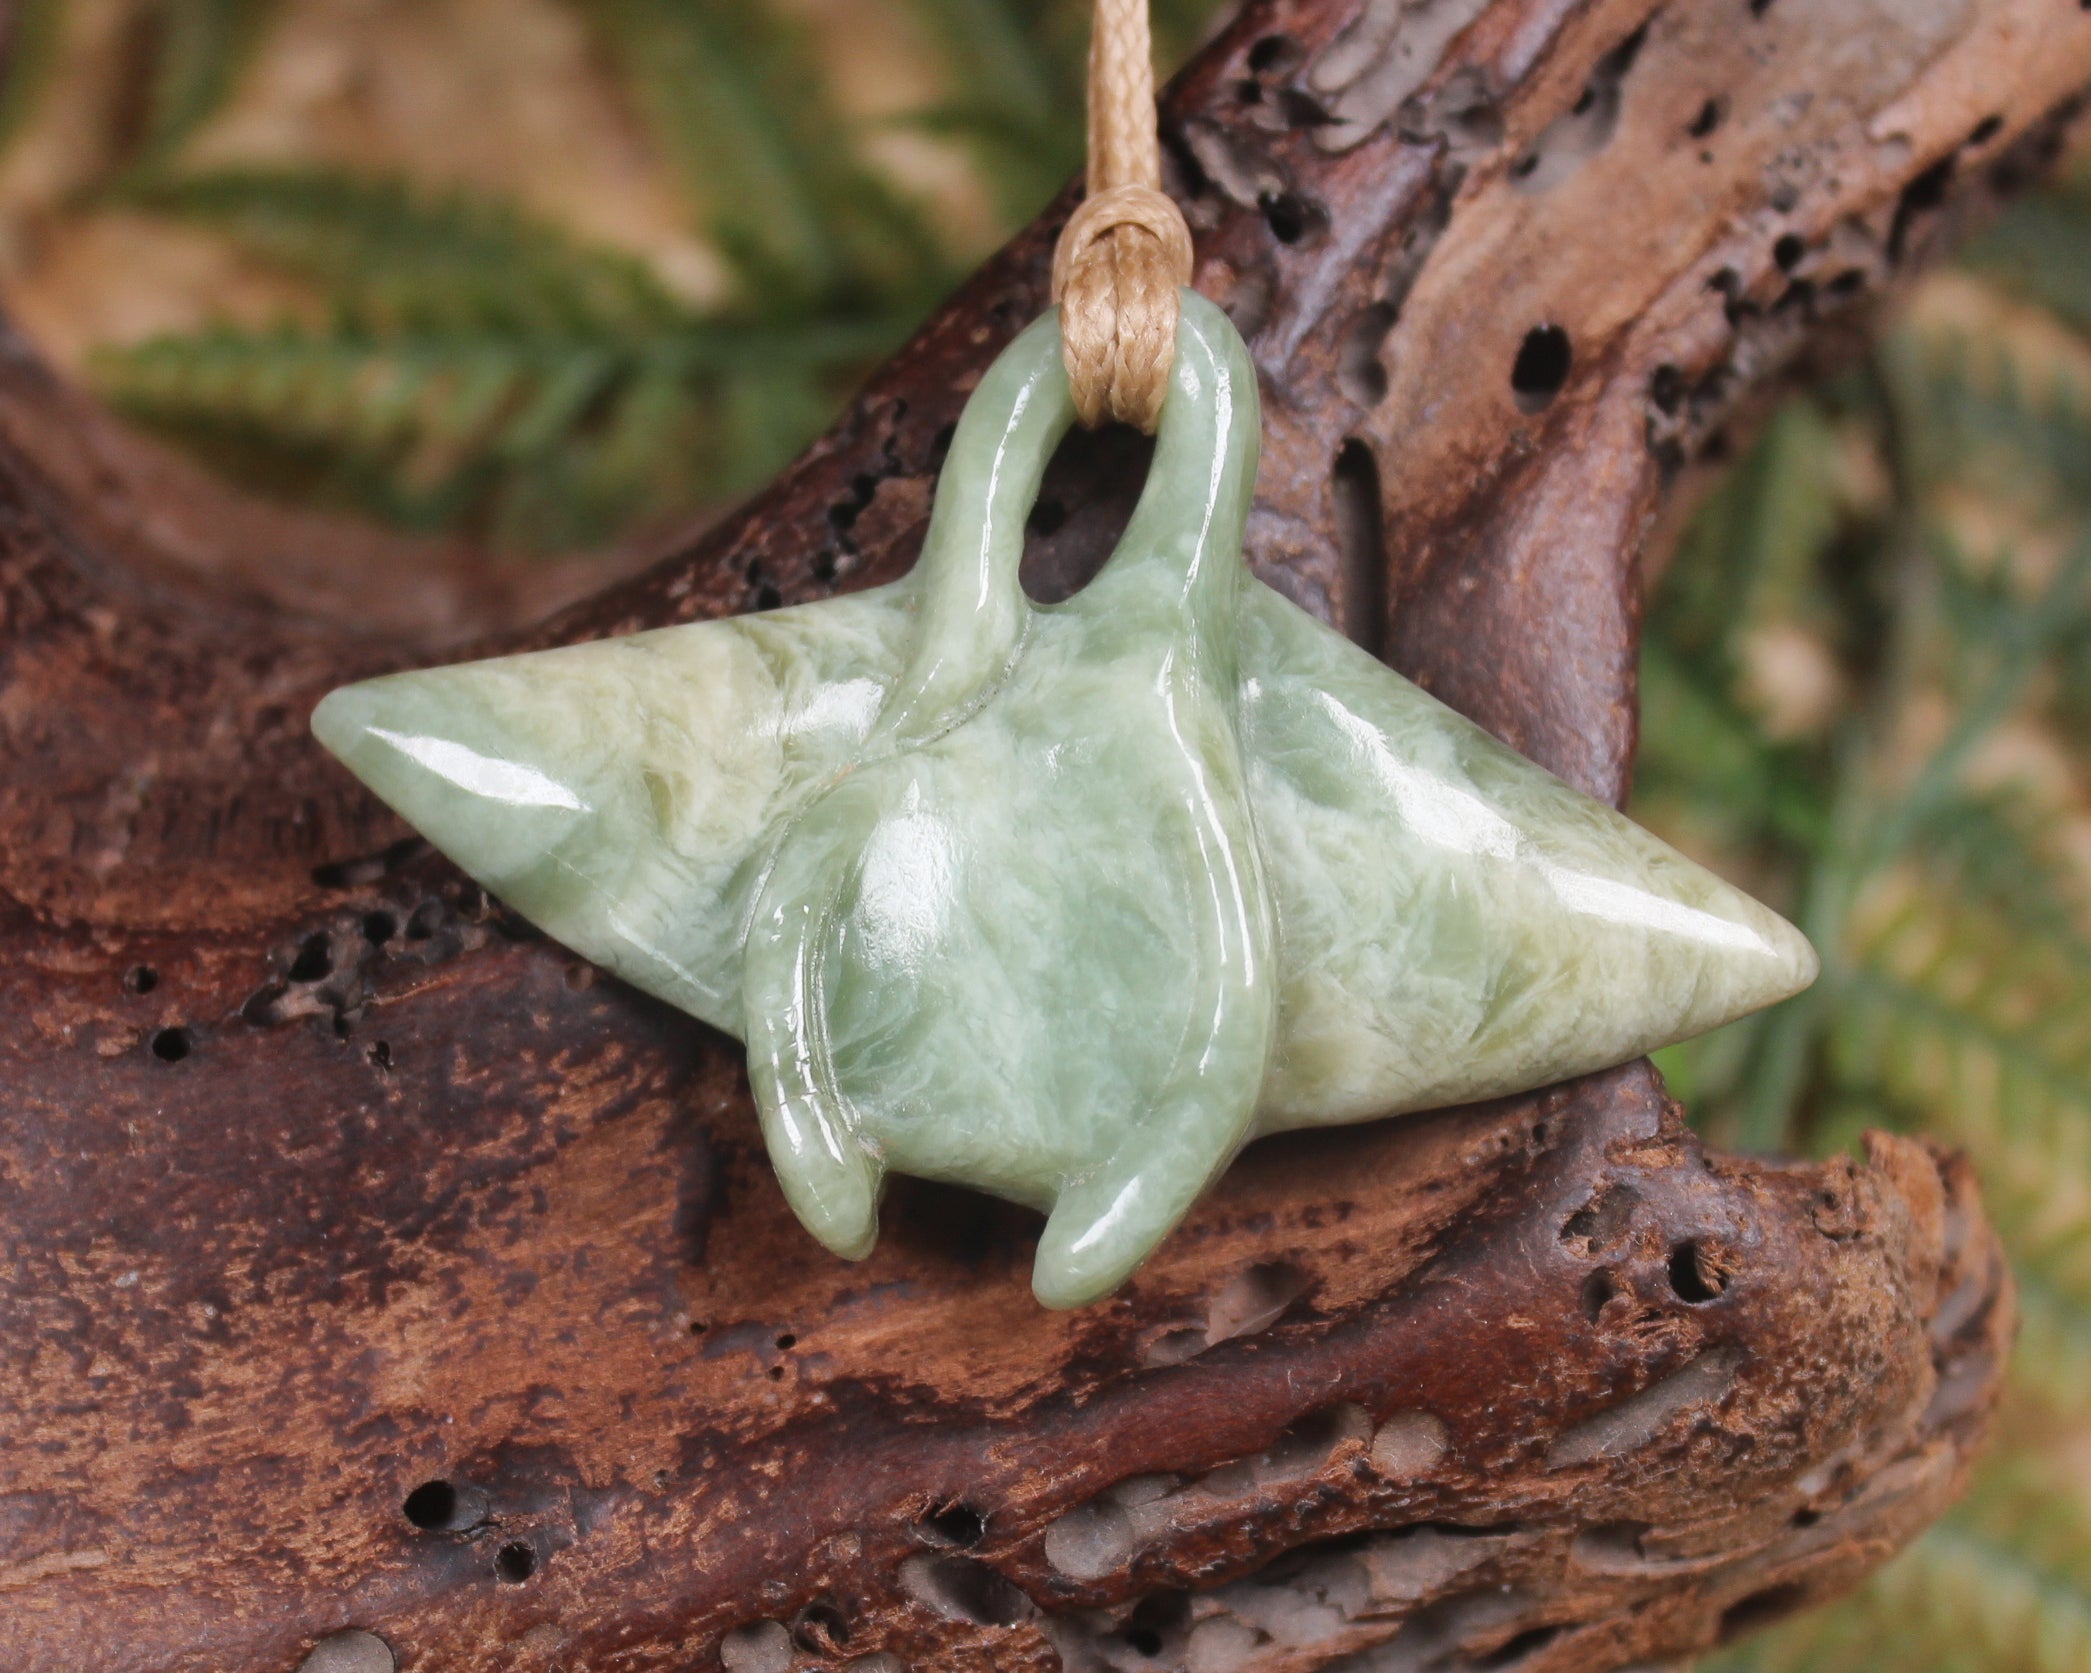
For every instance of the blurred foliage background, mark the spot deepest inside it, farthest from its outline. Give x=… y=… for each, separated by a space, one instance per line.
x=548 y=273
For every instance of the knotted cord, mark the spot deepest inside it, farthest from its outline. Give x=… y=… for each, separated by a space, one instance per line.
x=1126 y=252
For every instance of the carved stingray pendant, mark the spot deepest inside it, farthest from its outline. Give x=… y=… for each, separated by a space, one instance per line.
x=1065 y=903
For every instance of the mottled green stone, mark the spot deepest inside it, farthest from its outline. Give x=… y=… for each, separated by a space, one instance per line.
x=1065 y=903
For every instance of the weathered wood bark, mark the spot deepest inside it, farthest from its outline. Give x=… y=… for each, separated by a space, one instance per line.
x=322 y=1180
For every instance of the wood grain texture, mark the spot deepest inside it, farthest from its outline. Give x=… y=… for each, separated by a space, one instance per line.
x=321 y=1178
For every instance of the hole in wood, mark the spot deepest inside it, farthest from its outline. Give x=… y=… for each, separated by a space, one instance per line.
x=1609 y=1548
x=1541 y=367
x=1696 y=1274
x=141 y=978
x=368 y=868
x=445 y=1507
x=315 y=960
x=1091 y=1540
x=1601 y=1221
x=1638 y=1419
x=430 y=1505
x=514 y=1563
x=1253 y=1299
x=1292 y=218
x=760 y=1647
x=171 y=1045
x=1407 y=1445
x=1666 y=389
x=1360 y=373
x=1361 y=534
x=1526 y=1646
x=1760 y=1609
x=1586 y=128
x=964 y=1589
x=349 y=1652
x=1924 y=193
x=820 y=1629
x=1157 y=1626
x=1274 y=52
x=955 y=1524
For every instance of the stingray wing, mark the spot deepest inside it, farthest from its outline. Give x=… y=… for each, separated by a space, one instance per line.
x=625 y=795
x=1454 y=922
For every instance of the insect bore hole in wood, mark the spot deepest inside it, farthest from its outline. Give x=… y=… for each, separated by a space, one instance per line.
x=315 y=960
x=1541 y=367
x=444 y=1507
x=1694 y=1275
x=514 y=1563
x=956 y=1524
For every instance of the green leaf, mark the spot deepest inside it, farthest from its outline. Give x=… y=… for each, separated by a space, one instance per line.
x=540 y=441
x=1017 y=100
x=2041 y=248
x=735 y=97
x=404 y=259
x=190 y=53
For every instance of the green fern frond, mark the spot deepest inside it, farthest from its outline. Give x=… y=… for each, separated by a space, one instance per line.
x=1017 y=59
x=1751 y=554
x=1990 y=1043
x=1997 y=849
x=1977 y=423
x=2041 y=249
x=404 y=259
x=192 y=53
x=1710 y=754
x=1018 y=71
x=735 y=96
x=535 y=441
x=2007 y=661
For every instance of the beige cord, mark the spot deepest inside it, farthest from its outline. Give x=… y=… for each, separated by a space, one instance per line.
x=1126 y=252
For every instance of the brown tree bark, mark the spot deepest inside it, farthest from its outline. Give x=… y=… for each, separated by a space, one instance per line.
x=382 y=1286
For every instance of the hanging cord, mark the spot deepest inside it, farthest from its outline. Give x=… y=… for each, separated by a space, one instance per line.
x=1126 y=252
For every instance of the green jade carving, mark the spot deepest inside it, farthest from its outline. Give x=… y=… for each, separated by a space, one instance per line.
x=1070 y=902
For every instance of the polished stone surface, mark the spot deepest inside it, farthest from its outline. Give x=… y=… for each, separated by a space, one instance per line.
x=1066 y=903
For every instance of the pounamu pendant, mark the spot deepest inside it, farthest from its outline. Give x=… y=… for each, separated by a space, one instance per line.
x=1064 y=903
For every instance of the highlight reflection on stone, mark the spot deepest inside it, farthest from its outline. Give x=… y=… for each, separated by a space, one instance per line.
x=1066 y=903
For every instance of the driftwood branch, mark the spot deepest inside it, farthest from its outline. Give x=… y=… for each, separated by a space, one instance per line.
x=378 y=1280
